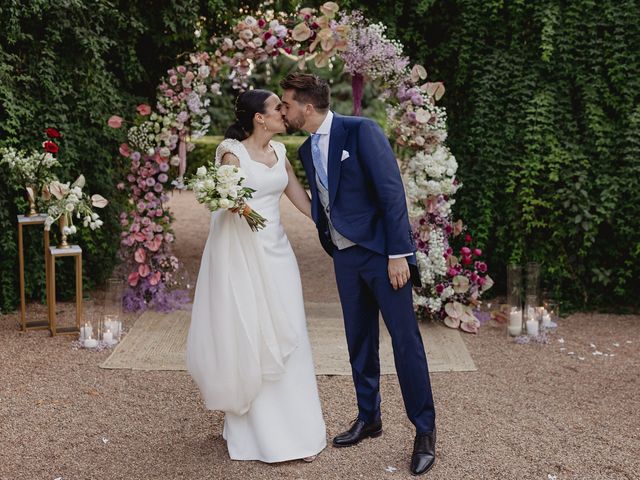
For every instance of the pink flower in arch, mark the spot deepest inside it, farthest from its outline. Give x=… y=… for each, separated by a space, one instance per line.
x=140 y=255
x=143 y=109
x=154 y=279
x=133 y=278
x=115 y=121
x=144 y=270
x=124 y=150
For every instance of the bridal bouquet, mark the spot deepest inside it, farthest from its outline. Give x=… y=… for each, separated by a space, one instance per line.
x=221 y=187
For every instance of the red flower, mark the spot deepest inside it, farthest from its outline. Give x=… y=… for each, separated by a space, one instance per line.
x=52 y=133
x=467 y=238
x=50 y=147
x=267 y=35
x=262 y=22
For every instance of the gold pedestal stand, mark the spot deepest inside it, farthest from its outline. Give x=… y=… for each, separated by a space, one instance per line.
x=55 y=252
x=25 y=221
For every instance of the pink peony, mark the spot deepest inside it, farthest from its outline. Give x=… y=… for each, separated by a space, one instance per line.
x=465 y=251
x=143 y=109
x=477 y=252
x=115 y=121
x=182 y=69
x=466 y=260
x=139 y=237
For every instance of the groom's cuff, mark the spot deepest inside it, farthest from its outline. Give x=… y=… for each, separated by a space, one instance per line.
x=401 y=255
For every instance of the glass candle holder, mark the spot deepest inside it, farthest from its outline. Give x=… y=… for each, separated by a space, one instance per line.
x=532 y=315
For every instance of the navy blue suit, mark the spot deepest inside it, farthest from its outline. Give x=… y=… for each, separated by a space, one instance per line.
x=368 y=206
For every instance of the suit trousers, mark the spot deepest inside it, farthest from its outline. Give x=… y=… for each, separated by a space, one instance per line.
x=365 y=291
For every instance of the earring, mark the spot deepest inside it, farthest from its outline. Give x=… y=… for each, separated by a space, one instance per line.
x=265 y=126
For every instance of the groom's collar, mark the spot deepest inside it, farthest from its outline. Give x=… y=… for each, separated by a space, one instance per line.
x=325 y=126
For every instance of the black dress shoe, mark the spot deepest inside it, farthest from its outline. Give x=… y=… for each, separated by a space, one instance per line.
x=358 y=431
x=424 y=453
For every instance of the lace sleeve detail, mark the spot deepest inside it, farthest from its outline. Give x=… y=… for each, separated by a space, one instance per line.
x=228 y=145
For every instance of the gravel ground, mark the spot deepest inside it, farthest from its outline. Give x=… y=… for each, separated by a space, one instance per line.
x=529 y=412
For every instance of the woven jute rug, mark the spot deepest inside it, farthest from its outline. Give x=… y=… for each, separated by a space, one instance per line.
x=158 y=342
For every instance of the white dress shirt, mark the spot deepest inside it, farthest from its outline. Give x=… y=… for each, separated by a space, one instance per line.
x=324 y=130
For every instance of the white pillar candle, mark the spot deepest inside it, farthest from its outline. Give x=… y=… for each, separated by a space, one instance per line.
x=532 y=327
x=90 y=343
x=116 y=326
x=86 y=331
x=546 y=319
x=108 y=337
x=514 y=331
x=515 y=322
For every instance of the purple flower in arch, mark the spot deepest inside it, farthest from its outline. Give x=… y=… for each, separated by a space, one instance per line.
x=163 y=177
x=151 y=181
x=158 y=188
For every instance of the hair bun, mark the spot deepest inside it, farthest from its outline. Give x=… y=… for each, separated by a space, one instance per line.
x=235 y=131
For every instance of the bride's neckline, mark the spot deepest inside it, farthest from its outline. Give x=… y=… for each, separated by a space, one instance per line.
x=269 y=167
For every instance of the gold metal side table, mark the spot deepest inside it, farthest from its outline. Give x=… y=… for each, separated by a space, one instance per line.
x=25 y=221
x=54 y=253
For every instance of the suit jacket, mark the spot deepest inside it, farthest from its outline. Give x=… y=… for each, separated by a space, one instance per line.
x=367 y=201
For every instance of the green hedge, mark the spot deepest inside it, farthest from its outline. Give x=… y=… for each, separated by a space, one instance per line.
x=70 y=65
x=205 y=152
x=544 y=119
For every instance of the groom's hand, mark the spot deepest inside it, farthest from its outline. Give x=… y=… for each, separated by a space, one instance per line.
x=398 y=272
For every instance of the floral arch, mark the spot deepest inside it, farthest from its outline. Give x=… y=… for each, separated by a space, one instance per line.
x=160 y=138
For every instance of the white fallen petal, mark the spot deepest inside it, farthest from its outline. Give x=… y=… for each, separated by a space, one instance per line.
x=612 y=354
x=592 y=345
x=562 y=349
x=551 y=476
x=597 y=352
x=616 y=344
x=570 y=353
x=105 y=440
x=561 y=340
x=390 y=469
x=628 y=341
x=580 y=358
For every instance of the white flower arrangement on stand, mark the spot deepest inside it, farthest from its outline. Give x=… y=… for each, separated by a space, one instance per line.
x=64 y=200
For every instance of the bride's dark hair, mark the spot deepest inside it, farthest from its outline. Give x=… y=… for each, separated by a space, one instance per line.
x=247 y=105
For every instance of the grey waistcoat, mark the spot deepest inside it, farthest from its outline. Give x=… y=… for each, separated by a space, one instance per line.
x=338 y=239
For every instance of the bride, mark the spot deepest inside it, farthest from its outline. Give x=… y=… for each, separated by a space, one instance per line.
x=248 y=348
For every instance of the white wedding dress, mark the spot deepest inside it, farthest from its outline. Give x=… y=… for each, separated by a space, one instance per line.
x=248 y=348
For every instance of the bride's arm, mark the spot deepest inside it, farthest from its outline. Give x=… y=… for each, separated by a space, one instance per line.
x=230 y=159
x=296 y=193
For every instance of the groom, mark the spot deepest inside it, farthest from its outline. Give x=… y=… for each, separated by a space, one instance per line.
x=359 y=207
